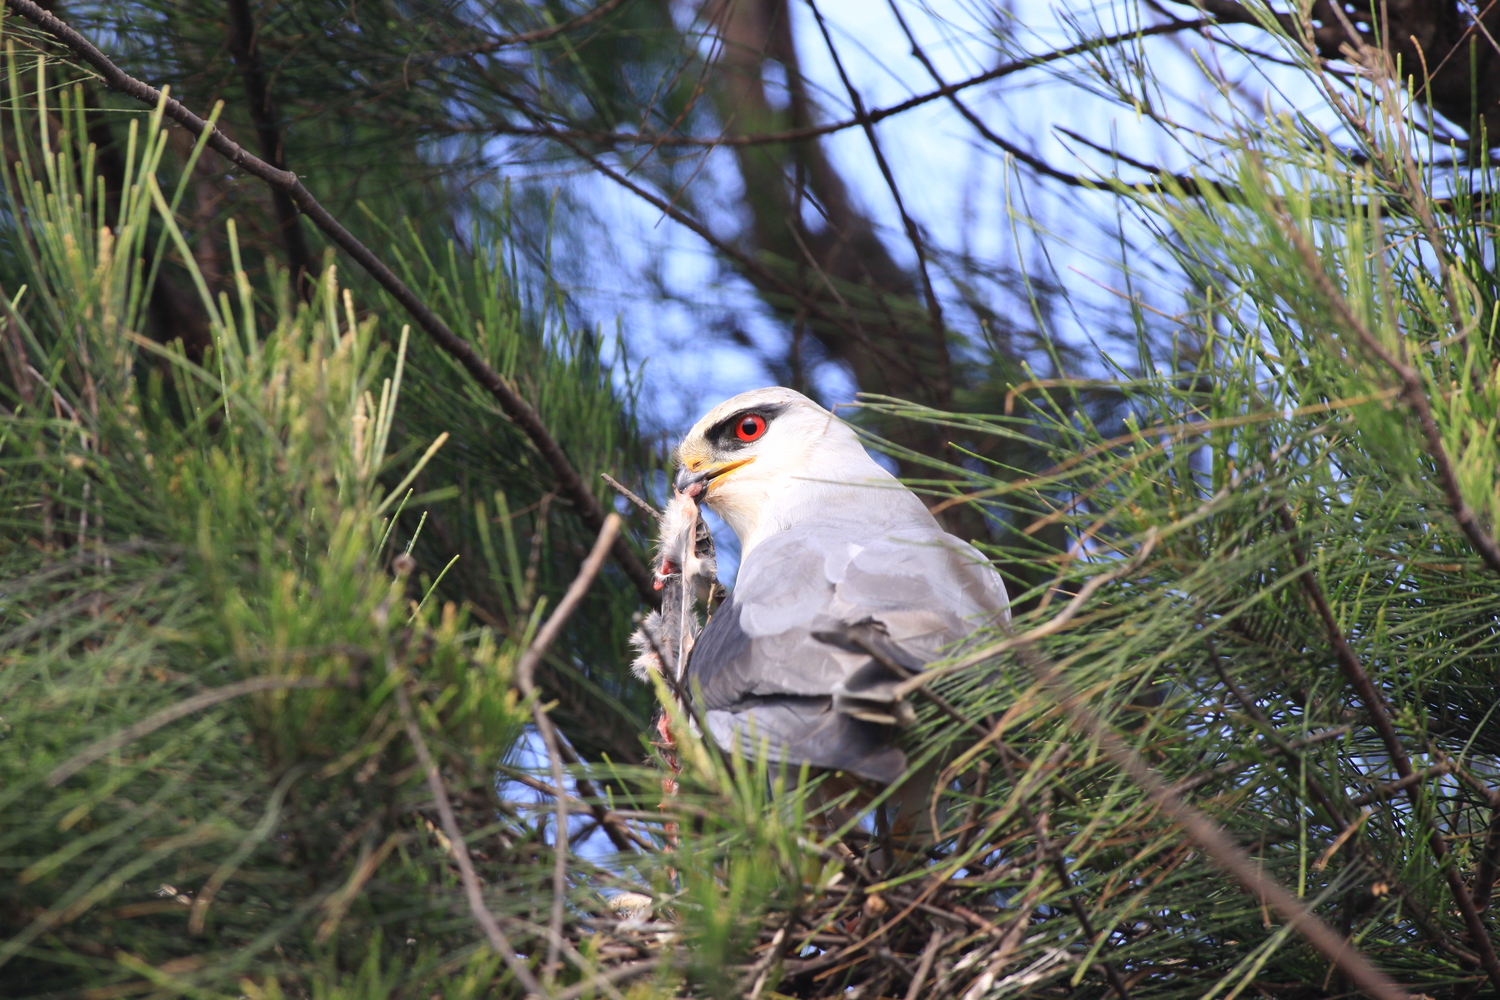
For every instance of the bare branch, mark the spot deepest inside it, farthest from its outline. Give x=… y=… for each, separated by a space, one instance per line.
x=615 y=976
x=549 y=131
x=1212 y=839
x=460 y=851
x=525 y=680
x=543 y=34
x=944 y=392
x=625 y=492
x=1376 y=709
x=608 y=819
x=1415 y=395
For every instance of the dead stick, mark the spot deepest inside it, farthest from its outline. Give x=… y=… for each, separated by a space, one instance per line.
x=625 y=492
x=244 y=47
x=1212 y=839
x=1375 y=707
x=526 y=681
x=460 y=850
x=613 y=823
x=1415 y=395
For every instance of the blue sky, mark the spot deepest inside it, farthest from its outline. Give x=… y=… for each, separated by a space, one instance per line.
x=964 y=194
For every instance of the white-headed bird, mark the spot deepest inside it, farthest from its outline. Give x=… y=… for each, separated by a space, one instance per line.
x=846 y=586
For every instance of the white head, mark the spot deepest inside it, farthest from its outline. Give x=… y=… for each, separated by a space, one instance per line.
x=769 y=458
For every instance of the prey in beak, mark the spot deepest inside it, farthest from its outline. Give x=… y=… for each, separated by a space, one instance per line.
x=696 y=482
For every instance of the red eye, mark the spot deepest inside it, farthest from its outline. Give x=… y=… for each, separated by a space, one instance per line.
x=750 y=427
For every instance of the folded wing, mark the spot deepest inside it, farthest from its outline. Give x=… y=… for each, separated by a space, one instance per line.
x=821 y=625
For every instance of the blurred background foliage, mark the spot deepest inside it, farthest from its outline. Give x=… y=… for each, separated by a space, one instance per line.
x=265 y=550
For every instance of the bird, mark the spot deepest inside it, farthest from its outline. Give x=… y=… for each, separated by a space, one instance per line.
x=847 y=585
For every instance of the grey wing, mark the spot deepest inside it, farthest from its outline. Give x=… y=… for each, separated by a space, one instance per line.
x=769 y=671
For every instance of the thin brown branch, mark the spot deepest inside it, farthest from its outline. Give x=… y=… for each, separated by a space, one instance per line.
x=1212 y=839
x=1052 y=625
x=924 y=965
x=615 y=976
x=526 y=681
x=1489 y=863
x=759 y=974
x=608 y=819
x=1489 y=855
x=520 y=412
x=1386 y=791
x=625 y=492
x=752 y=266
x=1378 y=713
x=1059 y=865
x=543 y=34
x=460 y=850
x=548 y=131
x=1416 y=910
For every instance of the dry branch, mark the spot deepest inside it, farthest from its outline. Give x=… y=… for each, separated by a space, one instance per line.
x=1413 y=393
x=944 y=389
x=472 y=892
x=525 y=680
x=1212 y=839
x=243 y=47
x=654 y=139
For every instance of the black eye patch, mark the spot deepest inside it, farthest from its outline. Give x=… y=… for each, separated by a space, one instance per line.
x=724 y=436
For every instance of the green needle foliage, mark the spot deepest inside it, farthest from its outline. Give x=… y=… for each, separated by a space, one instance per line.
x=207 y=783
x=1279 y=591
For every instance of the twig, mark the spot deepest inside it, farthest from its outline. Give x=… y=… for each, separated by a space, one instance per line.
x=1489 y=855
x=525 y=680
x=1484 y=876
x=1340 y=841
x=1059 y=866
x=754 y=268
x=615 y=976
x=460 y=850
x=172 y=713
x=1006 y=949
x=621 y=489
x=522 y=413
x=1386 y=791
x=582 y=964
x=1415 y=910
x=542 y=34
x=1212 y=839
x=760 y=973
x=924 y=966
x=1031 y=160
x=1375 y=707
x=607 y=818
x=543 y=131
x=1053 y=624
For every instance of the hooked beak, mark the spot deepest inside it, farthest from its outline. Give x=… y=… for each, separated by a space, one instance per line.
x=695 y=484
